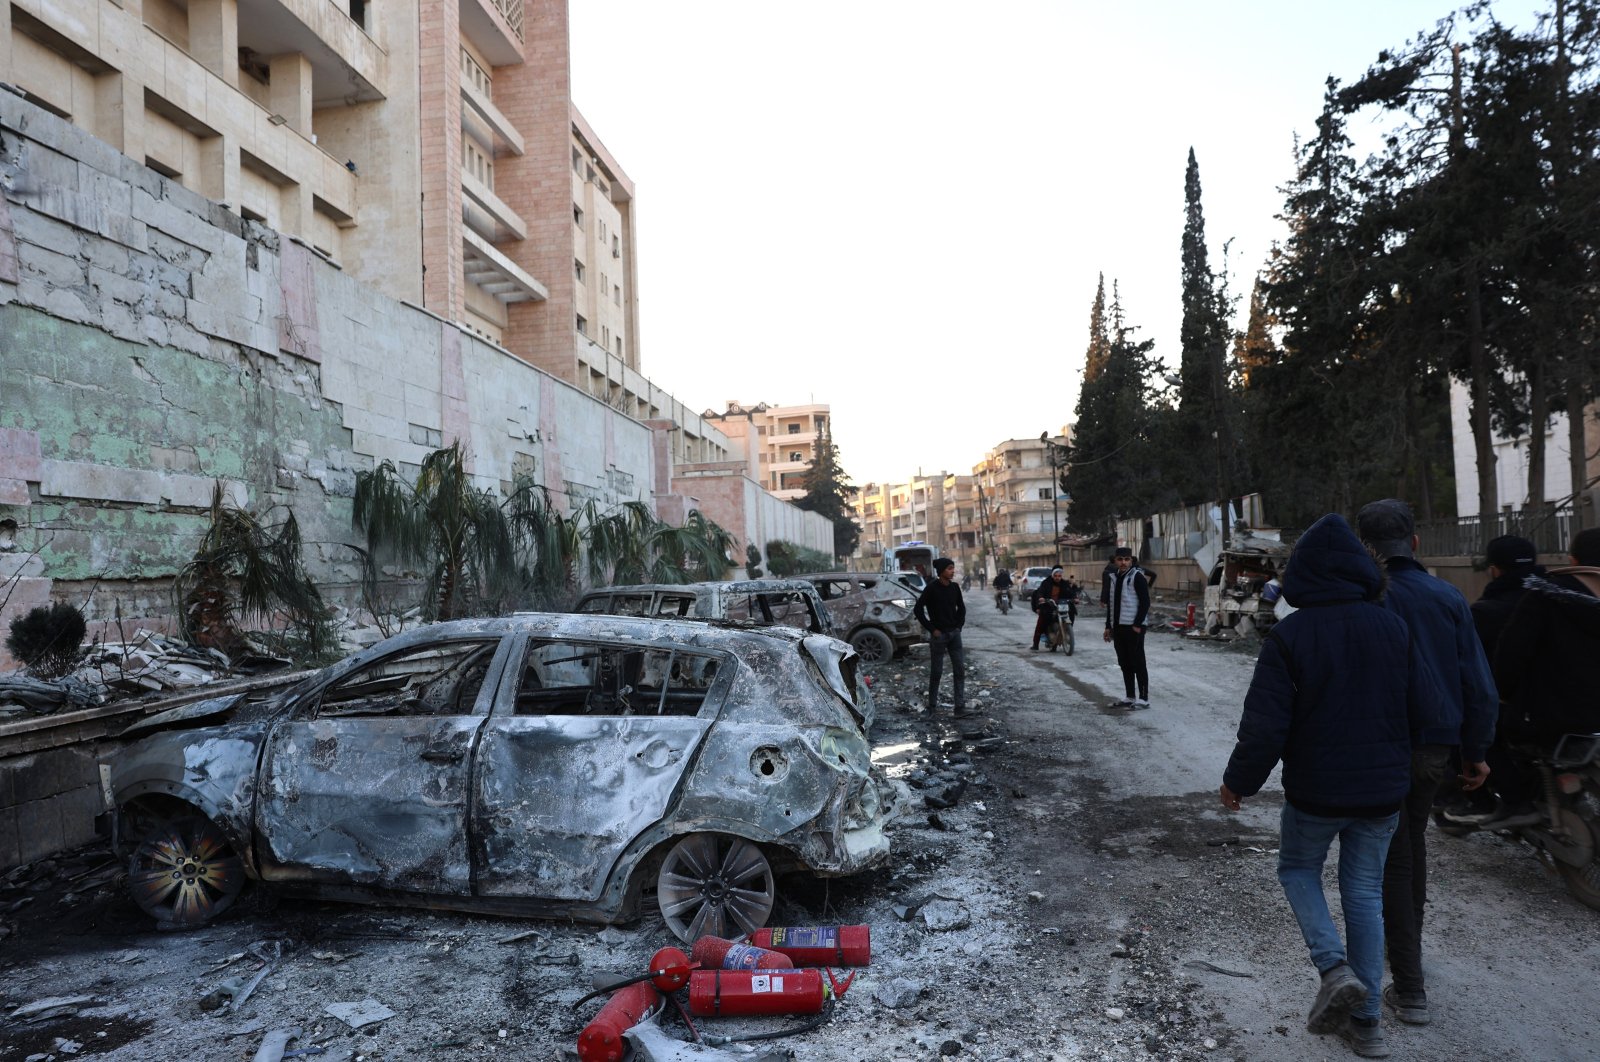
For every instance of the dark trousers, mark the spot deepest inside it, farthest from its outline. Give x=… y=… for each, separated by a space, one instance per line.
x=1405 y=875
x=1129 y=645
x=938 y=645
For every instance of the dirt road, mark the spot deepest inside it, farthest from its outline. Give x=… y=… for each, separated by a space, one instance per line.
x=1083 y=896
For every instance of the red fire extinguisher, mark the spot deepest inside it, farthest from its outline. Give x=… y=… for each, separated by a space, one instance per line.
x=733 y=993
x=715 y=953
x=818 y=945
x=601 y=1040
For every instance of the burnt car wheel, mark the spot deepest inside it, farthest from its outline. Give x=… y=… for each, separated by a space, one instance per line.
x=716 y=885
x=872 y=645
x=185 y=873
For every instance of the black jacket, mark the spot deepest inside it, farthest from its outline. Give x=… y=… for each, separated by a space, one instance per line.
x=1545 y=663
x=940 y=608
x=1049 y=588
x=1492 y=611
x=1337 y=690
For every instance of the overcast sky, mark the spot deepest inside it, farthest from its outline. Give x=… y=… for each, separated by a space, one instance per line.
x=899 y=207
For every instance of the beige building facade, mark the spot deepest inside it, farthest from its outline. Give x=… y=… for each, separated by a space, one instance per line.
x=777 y=442
x=430 y=148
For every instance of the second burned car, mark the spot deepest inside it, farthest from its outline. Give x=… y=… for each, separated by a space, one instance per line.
x=870 y=610
x=568 y=765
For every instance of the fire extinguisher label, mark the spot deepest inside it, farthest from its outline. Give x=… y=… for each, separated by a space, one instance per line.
x=766 y=983
x=805 y=937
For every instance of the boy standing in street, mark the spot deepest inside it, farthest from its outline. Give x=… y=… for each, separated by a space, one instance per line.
x=1336 y=690
x=1127 y=601
x=942 y=613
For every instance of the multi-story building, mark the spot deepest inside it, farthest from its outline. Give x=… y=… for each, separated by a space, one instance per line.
x=1021 y=509
x=963 y=538
x=429 y=148
x=872 y=513
x=778 y=442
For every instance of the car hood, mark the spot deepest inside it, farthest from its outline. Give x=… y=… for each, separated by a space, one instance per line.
x=211 y=707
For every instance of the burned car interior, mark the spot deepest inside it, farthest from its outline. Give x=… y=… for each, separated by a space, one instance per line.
x=561 y=679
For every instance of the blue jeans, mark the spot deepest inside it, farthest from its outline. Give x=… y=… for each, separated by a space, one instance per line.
x=1363 y=845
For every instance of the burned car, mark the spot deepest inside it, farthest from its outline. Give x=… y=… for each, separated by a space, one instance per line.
x=747 y=602
x=558 y=765
x=870 y=610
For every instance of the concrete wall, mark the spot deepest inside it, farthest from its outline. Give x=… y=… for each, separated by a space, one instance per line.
x=153 y=344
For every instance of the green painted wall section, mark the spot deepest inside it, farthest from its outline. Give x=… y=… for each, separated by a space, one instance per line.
x=94 y=398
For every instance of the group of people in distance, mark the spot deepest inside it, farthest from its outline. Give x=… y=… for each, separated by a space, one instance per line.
x=1375 y=691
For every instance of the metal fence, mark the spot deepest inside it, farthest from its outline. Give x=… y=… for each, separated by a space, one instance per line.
x=1549 y=528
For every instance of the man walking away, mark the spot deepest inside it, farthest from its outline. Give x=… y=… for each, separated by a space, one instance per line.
x=1336 y=687
x=1127 y=600
x=943 y=613
x=1441 y=627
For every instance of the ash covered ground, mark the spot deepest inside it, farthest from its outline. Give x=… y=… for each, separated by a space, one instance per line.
x=1063 y=885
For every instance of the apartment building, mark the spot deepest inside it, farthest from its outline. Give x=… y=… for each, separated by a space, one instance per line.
x=963 y=524
x=434 y=153
x=1021 y=510
x=871 y=507
x=778 y=442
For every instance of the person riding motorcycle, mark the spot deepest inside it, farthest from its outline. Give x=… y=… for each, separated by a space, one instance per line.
x=1053 y=589
x=1002 y=585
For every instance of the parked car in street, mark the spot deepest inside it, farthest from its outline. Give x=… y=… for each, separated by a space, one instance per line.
x=913 y=581
x=870 y=611
x=1032 y=579
x=755 y=602
x=555 y=765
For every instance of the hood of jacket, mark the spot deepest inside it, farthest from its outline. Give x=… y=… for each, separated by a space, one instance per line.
x=1330 y=565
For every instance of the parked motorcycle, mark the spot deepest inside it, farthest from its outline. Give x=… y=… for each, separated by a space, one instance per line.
x=1057 y=626
x=1002 y=600
x=1564 y=827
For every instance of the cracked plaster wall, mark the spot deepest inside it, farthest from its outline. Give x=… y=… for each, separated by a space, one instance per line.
x=153 y=343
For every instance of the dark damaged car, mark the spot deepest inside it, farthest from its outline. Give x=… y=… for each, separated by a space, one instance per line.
x=566 y=765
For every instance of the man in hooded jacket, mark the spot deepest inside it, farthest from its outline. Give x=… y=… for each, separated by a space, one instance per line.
x=1462 y=717
x=1335 y=696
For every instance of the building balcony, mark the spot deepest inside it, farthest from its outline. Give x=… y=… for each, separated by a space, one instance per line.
x=495 y=26
x=487 y=215
x=492 y=271
x=346 y=63
x=483 y=122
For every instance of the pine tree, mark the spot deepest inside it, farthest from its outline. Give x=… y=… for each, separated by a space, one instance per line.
x=828 y=492
x=1108 y=474
x=1205 y=456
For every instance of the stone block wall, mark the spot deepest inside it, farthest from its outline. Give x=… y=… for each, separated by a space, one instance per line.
x=154 y=345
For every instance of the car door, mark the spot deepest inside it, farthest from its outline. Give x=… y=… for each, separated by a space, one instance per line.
x=367 y=781
x=583 y=752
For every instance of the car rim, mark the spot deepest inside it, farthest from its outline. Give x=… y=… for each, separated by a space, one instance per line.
x=869 y=646
x=185 y=872
x=721 y=886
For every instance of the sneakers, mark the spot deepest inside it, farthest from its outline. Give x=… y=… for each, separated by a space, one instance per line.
x=1126 y=702
x=1503 y=815
x=1365 y=1037
x=1034 y=647
x=1409 y=1007
x=1138 y=702
x=1341 y=989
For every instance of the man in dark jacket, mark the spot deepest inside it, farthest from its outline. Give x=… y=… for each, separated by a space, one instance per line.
x=1336 y=689
x=1464 y=715
x=943 y=613
x=1127 y=598
x=1052 y=589
x=1511 y=560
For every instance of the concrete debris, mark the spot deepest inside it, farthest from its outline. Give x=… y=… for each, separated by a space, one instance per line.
x=21 y=695
x=275 y=1043
x=898 y=992
x=355 y=1015
x=651 y=1044
x=945 y=915
x=51 y=1007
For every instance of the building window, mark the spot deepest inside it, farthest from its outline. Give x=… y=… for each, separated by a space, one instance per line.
x=476 y=75
x=1044 y=493
x=583 y=325
x=577 y=215
x=794 y=429
x=616 y=294
x=796 y=455
x=577 y=270
x=619 y=346
x=616 y=247
x=577 y=161
x=605 y=335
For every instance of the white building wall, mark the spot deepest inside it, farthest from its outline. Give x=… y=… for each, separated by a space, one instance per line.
x=1511 y=459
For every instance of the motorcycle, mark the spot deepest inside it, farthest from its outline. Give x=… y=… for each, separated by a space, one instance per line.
x=1564 y=827
x=1002 y=599
x=1057 y=626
